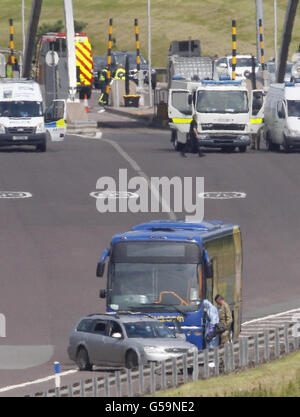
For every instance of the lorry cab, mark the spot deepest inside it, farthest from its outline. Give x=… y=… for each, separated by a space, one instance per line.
x=282 y=117
x=228 y=114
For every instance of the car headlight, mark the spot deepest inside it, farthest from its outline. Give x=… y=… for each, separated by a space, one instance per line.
x=40 y=128
x=193 y=349
x=202 y=137
x=244 y=138
x=2 y=129
x=154 y=349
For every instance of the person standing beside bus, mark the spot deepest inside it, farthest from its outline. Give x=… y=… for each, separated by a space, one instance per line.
x=225 y=317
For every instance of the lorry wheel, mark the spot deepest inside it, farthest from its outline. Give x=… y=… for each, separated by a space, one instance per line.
x=285 y=146
x=228 y=149
x=178 y=146
x=41 y=147
x=242 y=149
x=269 y=143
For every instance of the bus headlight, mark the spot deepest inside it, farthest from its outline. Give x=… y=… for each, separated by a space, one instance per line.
x=2 y=129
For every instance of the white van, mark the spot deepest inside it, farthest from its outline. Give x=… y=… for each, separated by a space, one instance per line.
x=22 y=115
x=282 y=116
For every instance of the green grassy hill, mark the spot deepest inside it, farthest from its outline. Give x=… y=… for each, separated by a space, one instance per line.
x=207 y=20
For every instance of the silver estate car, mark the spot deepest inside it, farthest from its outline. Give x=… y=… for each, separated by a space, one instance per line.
x=123 y=340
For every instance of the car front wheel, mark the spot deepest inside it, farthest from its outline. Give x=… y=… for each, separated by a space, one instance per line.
x=132 y=361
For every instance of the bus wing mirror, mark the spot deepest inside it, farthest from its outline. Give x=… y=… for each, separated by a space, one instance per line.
x=102 y=294
x=101 y=264
x=100 y=269
x=190 y=99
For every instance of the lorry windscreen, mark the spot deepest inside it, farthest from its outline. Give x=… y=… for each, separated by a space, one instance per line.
x=243 y=62
x=293 y=108
x=21 y=109
x=214 y=101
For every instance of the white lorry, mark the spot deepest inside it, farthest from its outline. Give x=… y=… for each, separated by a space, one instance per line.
x=228 y=114
x=282 y=116
x=22 y=115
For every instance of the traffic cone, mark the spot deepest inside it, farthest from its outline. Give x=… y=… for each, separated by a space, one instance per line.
x=86 y=104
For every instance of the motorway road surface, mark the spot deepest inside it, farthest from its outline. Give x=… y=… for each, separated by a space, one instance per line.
x=50 y=242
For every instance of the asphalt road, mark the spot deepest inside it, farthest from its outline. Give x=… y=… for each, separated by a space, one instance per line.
x=50 y=242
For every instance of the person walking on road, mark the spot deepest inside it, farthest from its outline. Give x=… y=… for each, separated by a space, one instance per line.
x=225 y=317
x=192 y=142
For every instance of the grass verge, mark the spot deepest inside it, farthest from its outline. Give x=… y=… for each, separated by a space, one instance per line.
x=207 y=20
x=279 y=378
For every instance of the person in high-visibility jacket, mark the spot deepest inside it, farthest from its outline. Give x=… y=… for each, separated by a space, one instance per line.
x=9 y=68
x=103 y=83
x=120 y=73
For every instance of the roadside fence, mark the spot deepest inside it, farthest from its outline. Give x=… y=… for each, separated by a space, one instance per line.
x=242 y=354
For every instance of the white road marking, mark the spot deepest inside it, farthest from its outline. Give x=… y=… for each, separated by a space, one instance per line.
x=37 y=381
x=166 y=207
x=271 y=316
x=223 y=195
x=15 y=194
x=138 y=169
x=114 y=195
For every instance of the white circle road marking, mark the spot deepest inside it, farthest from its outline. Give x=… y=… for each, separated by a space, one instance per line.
x=15 y=194
x=113 y=194
x=222 y=195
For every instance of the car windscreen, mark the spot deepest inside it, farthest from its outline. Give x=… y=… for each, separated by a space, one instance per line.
x=148 y=329
x=243 y=62
x=214 y=101
x=21 y=109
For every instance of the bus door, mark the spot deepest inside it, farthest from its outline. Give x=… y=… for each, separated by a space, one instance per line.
x=55 y=120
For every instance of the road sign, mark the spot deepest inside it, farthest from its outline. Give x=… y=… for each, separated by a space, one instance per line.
x=52 y=58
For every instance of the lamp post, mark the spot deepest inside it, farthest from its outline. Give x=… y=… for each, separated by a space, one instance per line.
x=149 y=53
x=275 y=35
x=23 y=26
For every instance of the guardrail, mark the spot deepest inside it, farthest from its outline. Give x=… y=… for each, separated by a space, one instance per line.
x=244 y=353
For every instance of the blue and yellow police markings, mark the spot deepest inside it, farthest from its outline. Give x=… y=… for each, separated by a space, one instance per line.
x=57 y=130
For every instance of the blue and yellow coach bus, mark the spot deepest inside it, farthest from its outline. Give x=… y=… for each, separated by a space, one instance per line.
x=167 y=268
